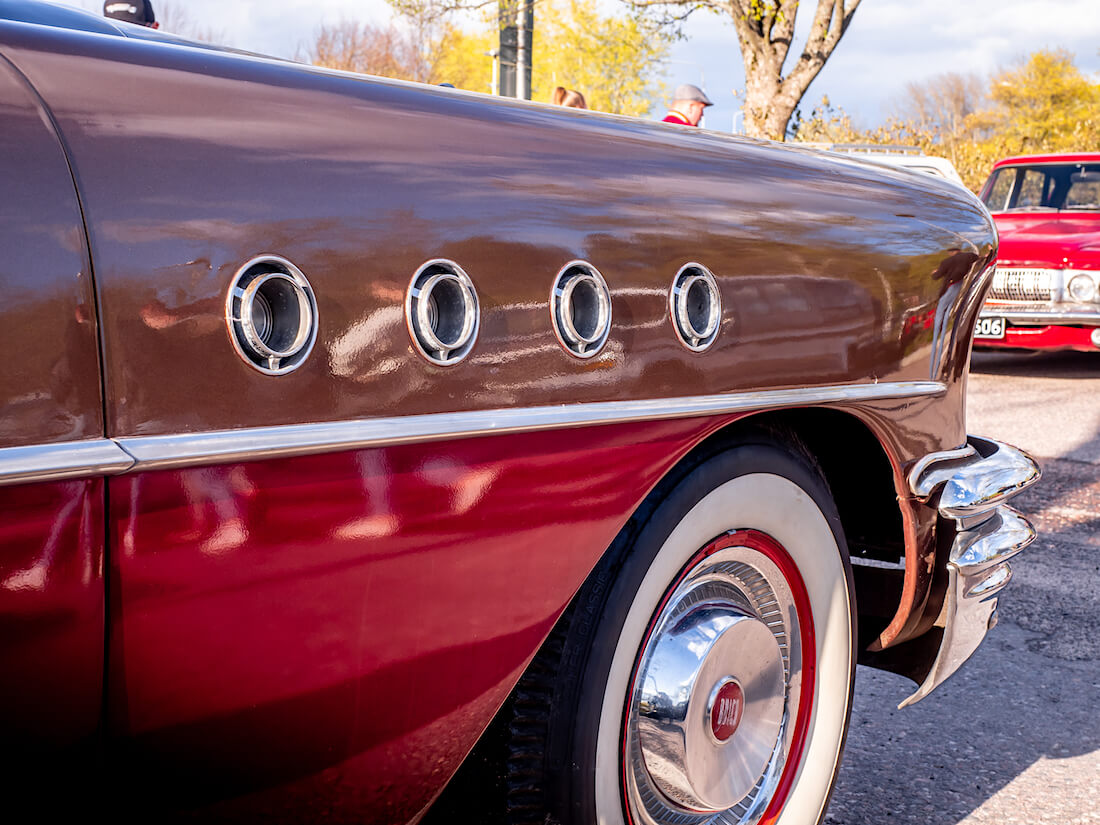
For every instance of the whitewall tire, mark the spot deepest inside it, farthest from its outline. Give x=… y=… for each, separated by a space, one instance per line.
x=703 y=673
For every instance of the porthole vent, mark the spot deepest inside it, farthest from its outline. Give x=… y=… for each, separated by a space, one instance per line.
x=580 y=307
x=272 y=315
x=442 y=312
x=696 y=307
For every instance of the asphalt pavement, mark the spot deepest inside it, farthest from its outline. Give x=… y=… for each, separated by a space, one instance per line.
x=1014 y=737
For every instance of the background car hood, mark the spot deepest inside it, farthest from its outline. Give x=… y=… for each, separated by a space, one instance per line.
x=1049 y=239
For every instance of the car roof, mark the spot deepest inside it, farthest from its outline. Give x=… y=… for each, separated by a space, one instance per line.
x=904 y=157
x=1065 y=157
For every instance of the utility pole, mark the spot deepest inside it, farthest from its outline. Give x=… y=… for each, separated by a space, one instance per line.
x=517 y=25
x=523 y=49
x=494 y=86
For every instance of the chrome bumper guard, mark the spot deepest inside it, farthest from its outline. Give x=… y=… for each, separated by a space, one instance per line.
x=971 y=485
x=1041 y=316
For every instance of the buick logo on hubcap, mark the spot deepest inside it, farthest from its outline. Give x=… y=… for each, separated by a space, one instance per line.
x=726 y=713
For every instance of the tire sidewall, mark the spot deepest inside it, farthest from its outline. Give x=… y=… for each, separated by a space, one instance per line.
x=759 y=486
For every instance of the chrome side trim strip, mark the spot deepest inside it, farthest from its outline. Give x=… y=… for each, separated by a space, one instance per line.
x=256 y=443
x=879 y=564
x=70 y=459
x=77 y=459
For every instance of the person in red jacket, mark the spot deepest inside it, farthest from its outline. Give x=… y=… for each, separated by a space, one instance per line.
x=687 y=105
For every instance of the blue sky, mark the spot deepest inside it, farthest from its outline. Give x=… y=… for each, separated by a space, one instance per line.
x=889 y=43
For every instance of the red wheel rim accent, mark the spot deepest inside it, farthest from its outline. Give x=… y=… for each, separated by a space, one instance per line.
x=774 y=551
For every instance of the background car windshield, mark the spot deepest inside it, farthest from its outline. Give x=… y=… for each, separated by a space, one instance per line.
x=1043 y=187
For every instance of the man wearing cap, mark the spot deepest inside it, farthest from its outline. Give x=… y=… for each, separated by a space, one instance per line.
x=687 y=105
x=131 y=11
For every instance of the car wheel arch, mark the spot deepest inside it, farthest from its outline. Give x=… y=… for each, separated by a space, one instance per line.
x=806 y=432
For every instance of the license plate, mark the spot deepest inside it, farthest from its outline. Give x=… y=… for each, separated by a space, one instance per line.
x=990 y=328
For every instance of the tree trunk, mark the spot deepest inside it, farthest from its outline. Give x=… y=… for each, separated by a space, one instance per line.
x=768 y=107
x=765 y=29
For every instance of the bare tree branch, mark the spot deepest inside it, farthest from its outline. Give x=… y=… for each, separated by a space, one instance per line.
x=175 y=19
x=765 y=31
x=438 y=9
x=383 y=50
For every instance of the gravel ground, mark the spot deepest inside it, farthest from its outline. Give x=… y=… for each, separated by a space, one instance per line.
x=1014 y=737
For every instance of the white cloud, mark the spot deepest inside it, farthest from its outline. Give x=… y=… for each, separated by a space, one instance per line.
x=276 y=27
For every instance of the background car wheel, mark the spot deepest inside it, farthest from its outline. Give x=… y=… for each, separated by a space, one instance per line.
x=703 y=673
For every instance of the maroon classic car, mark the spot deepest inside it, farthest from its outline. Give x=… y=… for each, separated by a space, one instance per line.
x=385 y=453
x=1045 y=294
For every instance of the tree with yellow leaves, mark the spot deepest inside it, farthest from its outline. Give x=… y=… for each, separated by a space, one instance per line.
x=443 y=54
x=463 y=58
x=615 y=62
x=1044 y=104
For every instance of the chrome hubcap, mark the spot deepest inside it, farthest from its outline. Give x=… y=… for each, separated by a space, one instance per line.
x=707 y=725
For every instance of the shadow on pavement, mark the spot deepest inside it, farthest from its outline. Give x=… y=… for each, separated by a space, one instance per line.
x=951 y=756
x=1016 y=730
x=1037 y=364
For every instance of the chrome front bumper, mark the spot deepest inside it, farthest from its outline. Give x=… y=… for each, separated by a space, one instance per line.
x=1042 y=315
x=971 y=485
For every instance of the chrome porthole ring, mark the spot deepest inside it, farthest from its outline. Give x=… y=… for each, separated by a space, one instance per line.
x=695 y=305
x=580 y=309
x=442 y=312
x=271 y=313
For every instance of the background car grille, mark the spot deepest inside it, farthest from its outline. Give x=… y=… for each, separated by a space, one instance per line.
x=1021 y=285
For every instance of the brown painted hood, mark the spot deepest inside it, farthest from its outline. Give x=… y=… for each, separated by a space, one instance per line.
x=192 y=162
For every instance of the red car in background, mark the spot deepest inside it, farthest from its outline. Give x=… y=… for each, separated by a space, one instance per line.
x=1046 y=291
